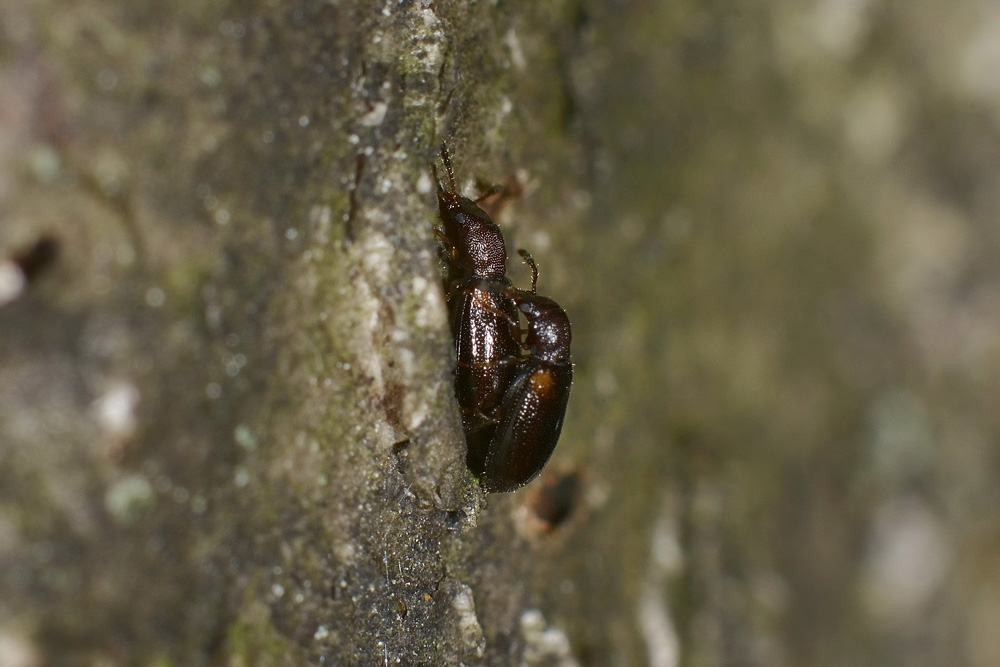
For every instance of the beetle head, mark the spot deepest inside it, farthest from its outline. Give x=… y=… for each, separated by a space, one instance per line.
x=549 y=332
x=476 y=242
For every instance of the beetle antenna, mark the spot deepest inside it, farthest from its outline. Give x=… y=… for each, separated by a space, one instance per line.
x=530 y=261
x=446 y=159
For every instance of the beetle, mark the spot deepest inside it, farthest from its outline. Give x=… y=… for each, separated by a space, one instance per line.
x=531 y=414
x=487 y=345
x=512 y=393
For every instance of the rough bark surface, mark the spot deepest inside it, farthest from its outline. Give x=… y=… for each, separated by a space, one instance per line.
x=227 y=427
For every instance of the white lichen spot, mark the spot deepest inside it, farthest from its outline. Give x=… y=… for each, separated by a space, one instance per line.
x=427 y=39
x=418 y=285
x=431 y=311
x=210 y=77
x=374 y=117
x=516 y=52
x=199 y=504
x=544 y=645
x=506 y=106
x=424 y=184
x=115 y=410
x=417 y=414
x=909 y=557
x=406 y=361
x=377 y=257
x=17 y=650
x=319 y=221
x=241 y=477
x=369 y=361
x=468 y=623
x=210 y=143
x=155 y=297
x=127 y=498
x=321 y=633
x=665 y=547
x=540 y=240
x=430 y=18
x=347 y=554
x=45 y=163
x=532 y=621
x=244 y=437
x=657 y=627
x=277 y=590
x=12 y=281
x=666 y=558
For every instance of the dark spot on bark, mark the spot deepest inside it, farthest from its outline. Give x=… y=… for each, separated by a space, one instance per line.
x=557 y=497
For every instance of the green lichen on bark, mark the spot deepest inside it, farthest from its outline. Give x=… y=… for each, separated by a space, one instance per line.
x=257 y=306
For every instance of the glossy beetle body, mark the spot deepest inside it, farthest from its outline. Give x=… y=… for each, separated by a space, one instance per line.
x=486 y=348
x=483 y=320
x=531 y=414
x=512 y=393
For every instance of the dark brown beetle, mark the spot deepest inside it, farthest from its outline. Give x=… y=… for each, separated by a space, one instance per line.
x=531 y=414
x=512 y=394
x=486 y=342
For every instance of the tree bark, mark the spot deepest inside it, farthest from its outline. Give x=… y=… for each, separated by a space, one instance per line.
x=228 y=433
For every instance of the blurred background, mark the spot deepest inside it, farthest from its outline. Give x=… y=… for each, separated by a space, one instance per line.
x=795 y=225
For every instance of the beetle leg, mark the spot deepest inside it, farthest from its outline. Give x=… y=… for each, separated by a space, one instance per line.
x=475 y=420
x=489 y=192
x=515 y=324
x=446 y=159
x=456 y=288
x=445 y=244
x=496 y=311
x=488 y=364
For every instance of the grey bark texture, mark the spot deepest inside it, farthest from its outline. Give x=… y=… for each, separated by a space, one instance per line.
x=227 y=426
